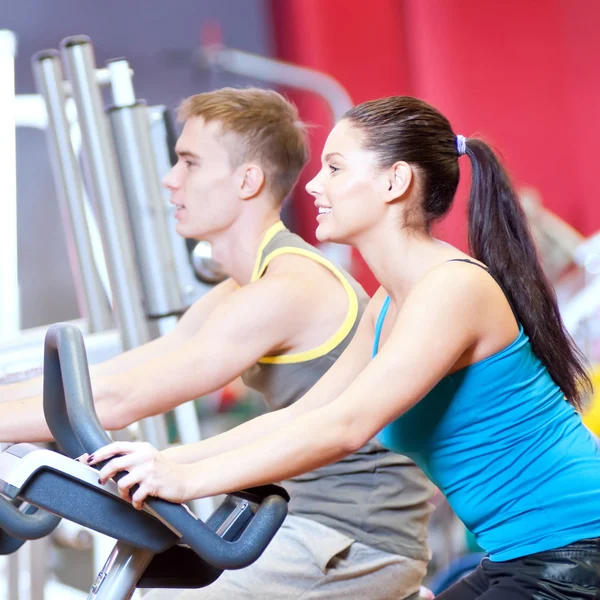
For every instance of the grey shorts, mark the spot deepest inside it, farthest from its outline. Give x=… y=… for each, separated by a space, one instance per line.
x=309 y=561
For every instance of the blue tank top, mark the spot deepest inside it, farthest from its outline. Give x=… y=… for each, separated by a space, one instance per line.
x=512 y=457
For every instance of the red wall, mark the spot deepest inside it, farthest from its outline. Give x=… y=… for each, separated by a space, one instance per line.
x=522 y=73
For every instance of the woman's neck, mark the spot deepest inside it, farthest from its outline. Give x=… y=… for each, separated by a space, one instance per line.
x=399 y=260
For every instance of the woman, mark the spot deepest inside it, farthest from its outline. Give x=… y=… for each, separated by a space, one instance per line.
x=461 y=363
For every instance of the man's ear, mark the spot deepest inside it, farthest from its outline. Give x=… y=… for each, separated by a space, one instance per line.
x=253 y=181
x=399 y=178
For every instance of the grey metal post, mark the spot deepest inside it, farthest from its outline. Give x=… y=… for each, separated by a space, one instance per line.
x=108 y=194
x=120 y=574
x=14 y=572
x=38 y=567
x=131 y=132
x=277 y=71
x=69 y=185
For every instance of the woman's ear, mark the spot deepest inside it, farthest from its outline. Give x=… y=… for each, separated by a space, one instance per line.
x=399 y=178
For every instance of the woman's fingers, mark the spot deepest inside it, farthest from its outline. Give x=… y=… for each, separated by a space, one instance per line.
x=111 y=450
x=121 y=463
x=140 y=496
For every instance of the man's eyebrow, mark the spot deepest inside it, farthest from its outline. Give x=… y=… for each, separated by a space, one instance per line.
x=186 y=154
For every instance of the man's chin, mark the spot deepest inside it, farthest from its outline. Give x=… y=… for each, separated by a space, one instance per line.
x=184 y=231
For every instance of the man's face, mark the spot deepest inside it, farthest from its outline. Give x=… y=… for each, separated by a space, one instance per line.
x=202 y=182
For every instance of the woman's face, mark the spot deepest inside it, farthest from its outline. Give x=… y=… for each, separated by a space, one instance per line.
x=347 y=188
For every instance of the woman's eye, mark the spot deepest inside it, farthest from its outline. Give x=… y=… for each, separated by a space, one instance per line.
x=332 y=169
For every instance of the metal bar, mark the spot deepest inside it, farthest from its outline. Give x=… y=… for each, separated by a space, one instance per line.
x=110 y=201
x=69 y=184
x=131 y=131
x=38 y=567
x=107 y=191
x=101 y=75
x=14 y=570
x=119 y=576
x=276 y=71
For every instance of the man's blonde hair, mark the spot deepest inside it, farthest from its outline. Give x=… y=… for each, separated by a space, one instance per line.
x=265 y=127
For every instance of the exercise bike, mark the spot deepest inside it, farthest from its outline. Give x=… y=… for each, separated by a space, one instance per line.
x=165 y=544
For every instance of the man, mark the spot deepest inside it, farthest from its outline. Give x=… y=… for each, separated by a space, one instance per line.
x=357 y=528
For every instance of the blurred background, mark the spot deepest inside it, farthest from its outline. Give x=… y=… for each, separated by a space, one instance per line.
x=522 y=74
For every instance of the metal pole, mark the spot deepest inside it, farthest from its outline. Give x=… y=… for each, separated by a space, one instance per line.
x=119 y=576
x=38 y=567
x=107 y=191
x=10 y=315
x=102 y=77
x=13 y=576
x=110 y=202
x=131 y=131
x=276 y=71
x=69 y=184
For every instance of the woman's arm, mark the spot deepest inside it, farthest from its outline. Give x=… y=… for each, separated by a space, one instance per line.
x=356 y=356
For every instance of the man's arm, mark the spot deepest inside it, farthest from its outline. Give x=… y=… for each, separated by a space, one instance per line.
x=245 y=326
x=187 y=326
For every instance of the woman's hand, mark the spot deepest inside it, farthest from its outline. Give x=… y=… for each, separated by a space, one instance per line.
x=146 y=467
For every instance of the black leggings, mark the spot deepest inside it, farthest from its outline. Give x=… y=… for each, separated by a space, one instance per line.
x=568 y=573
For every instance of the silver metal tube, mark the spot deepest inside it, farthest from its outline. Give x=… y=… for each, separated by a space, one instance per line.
x=14 y=572
x=69 y=184
x=38 y=568
x=119 y=576
x=110 y=202
x=131 y=131
x=101 y=75
x=276 y=71
x=107 y=191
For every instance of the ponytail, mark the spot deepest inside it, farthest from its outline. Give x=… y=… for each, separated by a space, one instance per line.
x=499 y=237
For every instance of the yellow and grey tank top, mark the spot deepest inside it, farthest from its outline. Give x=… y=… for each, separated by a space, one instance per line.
x=374 y=496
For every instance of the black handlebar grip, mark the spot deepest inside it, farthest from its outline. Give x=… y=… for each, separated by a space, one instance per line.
x=65 y=387
x=71 y=416
x=29 y=525
x=215 y=550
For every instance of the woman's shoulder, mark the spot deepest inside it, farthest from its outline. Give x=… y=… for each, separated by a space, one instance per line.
x=461 y=276
x=456 y=287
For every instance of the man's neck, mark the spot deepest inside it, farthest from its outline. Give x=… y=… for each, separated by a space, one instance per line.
x=236 y=249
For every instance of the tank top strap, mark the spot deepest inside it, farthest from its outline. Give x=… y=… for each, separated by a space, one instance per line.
x=379 y=325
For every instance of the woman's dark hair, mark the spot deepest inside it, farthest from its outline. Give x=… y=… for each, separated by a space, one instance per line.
x=408 y=129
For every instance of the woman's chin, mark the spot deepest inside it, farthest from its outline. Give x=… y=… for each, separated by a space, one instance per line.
x=324 y=234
